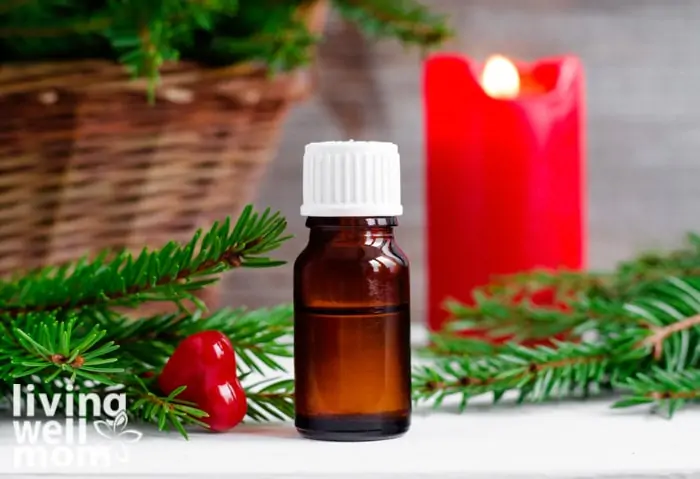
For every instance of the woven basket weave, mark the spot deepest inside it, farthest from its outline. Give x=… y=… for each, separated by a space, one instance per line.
x=87 y=164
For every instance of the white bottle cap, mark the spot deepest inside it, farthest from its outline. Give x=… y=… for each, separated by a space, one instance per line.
x=352 y=178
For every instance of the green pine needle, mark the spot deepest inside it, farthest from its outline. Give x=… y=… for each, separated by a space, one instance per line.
x=271 y=399
x=636 y=329
x=170 y=274
x=145 y=35
x=447 y=344
x=60 y=326
x=42 y=345
x=259 y=337
x=407 y=20
x=167 y=412
x=537 y=373
x=668 y=391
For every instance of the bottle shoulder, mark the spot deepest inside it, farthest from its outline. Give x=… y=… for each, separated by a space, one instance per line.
x=373 y=273
x=378 y=255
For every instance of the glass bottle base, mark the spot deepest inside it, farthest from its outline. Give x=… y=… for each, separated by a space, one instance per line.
x=352 y=428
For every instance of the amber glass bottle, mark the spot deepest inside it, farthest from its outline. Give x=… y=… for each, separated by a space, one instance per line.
x=352 y=297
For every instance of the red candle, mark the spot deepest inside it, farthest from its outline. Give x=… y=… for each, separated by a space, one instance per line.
x=504 y=172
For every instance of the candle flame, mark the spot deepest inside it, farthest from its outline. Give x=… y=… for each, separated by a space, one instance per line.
x=500 y=78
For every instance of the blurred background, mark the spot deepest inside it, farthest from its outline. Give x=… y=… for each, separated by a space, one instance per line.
x=642 y=61
x=88 y=164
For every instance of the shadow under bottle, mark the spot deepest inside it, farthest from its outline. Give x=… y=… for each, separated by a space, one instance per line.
x=352 y=331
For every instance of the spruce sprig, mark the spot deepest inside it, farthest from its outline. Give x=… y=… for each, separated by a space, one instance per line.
x=166 y=411
x=406 y=20
x=667 y=390
x=259 y=337
x=496 y=317
x=64 y=327
x=575 y=301
x=40 y=344
x=447 y=344
x=271 y=399
x=144 y=35
x=170 y=274
x=536 y=373
x=129 y=354
x=652 y=349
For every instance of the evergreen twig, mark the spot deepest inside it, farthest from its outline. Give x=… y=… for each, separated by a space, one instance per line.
x=259 y=337
x=666 y=389
x=406 y=20
x=271 y=399
x=637 y=329
x=447 y=344
x=537 y=373
x=144 y=35
x=43 y=345
x=164 y=411
x=60 y=327
x=170 y=274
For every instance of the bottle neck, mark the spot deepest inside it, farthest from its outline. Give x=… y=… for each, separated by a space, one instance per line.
x=350 y=228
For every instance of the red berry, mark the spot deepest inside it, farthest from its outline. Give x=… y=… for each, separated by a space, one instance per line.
x=206 y=364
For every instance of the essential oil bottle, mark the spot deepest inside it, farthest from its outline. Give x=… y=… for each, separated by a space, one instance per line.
x=352 y=297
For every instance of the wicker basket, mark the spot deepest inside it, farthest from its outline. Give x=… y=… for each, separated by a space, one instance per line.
x=86 y=164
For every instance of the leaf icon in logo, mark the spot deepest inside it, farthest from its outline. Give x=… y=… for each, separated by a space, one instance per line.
x=120 y=421
x=116 y=429
x=105 y=428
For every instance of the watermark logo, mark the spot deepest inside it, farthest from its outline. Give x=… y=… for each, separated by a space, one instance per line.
x=115 y=429
x=70 y=429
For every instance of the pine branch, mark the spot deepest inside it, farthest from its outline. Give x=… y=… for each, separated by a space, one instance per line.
x=656 y=340
x=267 y=399
x=523 y=320
x=40 y=344
x=665 y=389
x=538 y=304
x=537 y=373
x=282 y=46
x=632 y=277
x=143 y=35
x=170 y=274
x=59 y=327
x=406 y=20
x=167 y=412
x=446 y=344
x=529 y=306
x=668 y=311
x=259 y=337
x=647 y=341
x=554 y=287
x=271 y=399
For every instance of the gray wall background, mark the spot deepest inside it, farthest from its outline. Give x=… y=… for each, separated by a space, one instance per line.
x=642 y=59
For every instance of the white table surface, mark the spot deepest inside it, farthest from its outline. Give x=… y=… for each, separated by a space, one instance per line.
x=571 y=439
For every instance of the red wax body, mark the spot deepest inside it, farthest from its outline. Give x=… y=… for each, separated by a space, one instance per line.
x=505 y=177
